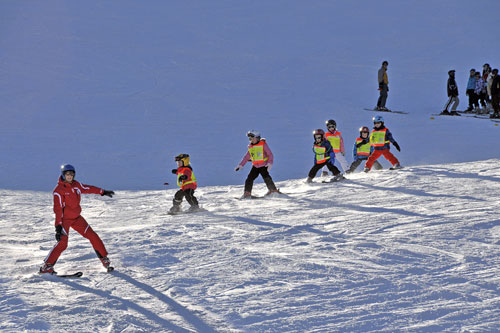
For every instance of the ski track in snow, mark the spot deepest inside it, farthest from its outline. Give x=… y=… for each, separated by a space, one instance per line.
x=411 y=250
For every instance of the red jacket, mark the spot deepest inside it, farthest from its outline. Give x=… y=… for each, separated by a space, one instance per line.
x=67 y=199
x=189 y=182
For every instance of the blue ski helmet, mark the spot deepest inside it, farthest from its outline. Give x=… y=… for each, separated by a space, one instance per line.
x=378 y=119
x=67 y=167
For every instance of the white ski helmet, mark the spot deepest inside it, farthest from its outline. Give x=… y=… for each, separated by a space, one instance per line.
x=253 y=133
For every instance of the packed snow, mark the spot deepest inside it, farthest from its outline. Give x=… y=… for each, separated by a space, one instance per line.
x=416 y=249
x=119 y=88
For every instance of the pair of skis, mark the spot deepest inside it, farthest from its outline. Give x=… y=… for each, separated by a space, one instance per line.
x=77 y=274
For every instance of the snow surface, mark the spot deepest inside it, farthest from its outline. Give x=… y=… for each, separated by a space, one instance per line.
x=411 y=250
x=118 y=88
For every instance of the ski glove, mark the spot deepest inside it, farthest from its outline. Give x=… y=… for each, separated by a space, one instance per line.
x=174 y=171
x=269 y=167
x=183 y=177
x=238 y=168
x=107 y=193
x=59 y=229
x=396 y=146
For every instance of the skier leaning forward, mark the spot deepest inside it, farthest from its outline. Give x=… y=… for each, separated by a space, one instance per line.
x=380 y=139
x=67 y=210
x=262 y=160
x=323 y=156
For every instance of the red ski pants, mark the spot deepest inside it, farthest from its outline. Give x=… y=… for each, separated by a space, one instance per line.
x=84 y=229
x=376 y=154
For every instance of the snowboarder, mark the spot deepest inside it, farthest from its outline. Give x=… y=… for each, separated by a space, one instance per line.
x=452 y=94
x=187 y=182
x=67 y=210
x=380 y=139
x=337 y=142
x=383 y=87
x=362 y=149
x=262 y=160
x=323 y=156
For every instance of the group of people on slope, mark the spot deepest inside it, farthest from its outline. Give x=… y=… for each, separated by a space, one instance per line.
x=483 y=89
x=368 y=147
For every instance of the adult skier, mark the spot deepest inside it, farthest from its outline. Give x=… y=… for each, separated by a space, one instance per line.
x=337 y=142
x=452 y=90
x=380 y=139
x=323 y=156
x=262 y=160
x=383 y=87
x=67 y=215
x=362 y=150
x=187 y=182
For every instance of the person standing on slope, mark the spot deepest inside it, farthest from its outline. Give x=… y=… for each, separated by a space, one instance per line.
x=380 y=139
x=452 y=90
x=67 y=210
x=323 y=156
x=337 y=142
x=495 y=94
x=262 y=159
x=362 y=150
x=471 y=85
x=187 y=182
x=383 y=87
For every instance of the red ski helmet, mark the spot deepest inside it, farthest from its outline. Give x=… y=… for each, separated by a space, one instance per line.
x=364 y=129
x=319 y=131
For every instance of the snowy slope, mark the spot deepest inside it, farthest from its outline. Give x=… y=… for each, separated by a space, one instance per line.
x=117 y=88
x=413 y=250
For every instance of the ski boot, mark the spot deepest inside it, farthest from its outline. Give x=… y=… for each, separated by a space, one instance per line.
x=272 y=192
x=338 y=177
x=107 y=264
x=47 y=269
x=175 y=209
x=309 y=180
x=454 y=113
x=366 y=170
x=445 y=113
x=246 y=195
x=193 y=209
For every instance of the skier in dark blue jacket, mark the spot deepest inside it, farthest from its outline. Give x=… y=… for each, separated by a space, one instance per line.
x=323 y=155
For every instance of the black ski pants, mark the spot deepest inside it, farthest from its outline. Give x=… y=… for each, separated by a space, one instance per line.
x=188 y=194
x=254 y=173
x=316 y=167
x=383 y=95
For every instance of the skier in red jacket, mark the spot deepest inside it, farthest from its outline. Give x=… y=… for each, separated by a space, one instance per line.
x=67 y=210
x=187 y=182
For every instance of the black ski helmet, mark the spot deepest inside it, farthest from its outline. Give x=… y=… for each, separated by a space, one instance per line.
x=331 y=122
x=67 y=167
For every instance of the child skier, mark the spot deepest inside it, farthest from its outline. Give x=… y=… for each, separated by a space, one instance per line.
x=362 y=149
x=67 y=210
x=187 y=182
x=262 y=160
x=323 y=156
x=380 y=139
x=337 y=142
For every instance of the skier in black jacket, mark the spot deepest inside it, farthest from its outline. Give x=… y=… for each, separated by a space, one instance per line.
x=452 y=94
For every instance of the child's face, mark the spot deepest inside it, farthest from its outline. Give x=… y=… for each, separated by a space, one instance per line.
x=318 y=138
x=180 y=163
x=377 y=124
x=253 y=139
x=364 y=134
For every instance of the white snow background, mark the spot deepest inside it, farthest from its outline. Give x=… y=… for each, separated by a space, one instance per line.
x=118 y=88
